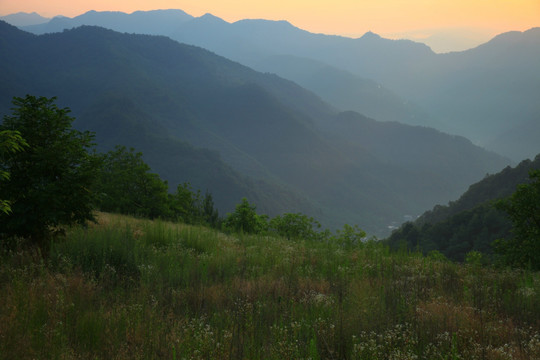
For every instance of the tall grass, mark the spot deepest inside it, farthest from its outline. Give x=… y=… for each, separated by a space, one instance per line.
x=136 y=289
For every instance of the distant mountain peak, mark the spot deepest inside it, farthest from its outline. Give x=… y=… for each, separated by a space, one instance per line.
x=24 y=13
x=370 y=35
x=266 y=21
x=512 y=38
x=171 y=11
x=24 y=19
x=211 y=17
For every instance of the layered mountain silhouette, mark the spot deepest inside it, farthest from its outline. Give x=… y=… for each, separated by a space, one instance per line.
x=154 y=22
x=199 y=117
x=24 y=19
x=483 y=93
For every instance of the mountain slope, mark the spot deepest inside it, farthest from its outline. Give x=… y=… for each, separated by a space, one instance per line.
x=480 y=93
x=24 y=19
x=344 y=90
x=469 y=223
x=155 y=22
x=151 y=93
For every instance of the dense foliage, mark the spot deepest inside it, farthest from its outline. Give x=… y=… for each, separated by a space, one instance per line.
x=470 y=230
x=295 y=226
x=245 y=219
x=523 y=208
x=190 y=207
x=10 y=142
x=51 y=182
x=128 y=187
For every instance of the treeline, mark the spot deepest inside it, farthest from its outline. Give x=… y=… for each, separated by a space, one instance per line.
x=126 y=185
x=52 y=176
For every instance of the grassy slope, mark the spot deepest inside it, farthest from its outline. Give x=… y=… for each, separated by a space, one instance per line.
x=130 y=289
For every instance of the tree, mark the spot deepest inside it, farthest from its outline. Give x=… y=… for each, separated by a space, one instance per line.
x=127 y=186
x=186 y=204
x=350 y=236
x=523 y=208
x=245 y=219
x=51 y=182
x=190 y=207
x=295 y=226
x=10 y=142
x=209 y=212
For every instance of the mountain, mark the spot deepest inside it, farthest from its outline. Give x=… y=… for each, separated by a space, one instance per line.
x=266 y=137
x=482 y=93
x=469 y=223
x=518 y=139
x=490 y=91
x=155 y=22
x=265 y=45
x=123 y=106
x=24 y=19
x=345 y=90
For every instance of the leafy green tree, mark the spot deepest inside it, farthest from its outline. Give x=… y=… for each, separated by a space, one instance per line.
x=190 y=207
x=350 y=236
x=246 y=220
x=523 y=208
x=295 y=226
x=186 y=204
x=10 y=142
x=51 y=182
x=209 y=213
x=127 y=186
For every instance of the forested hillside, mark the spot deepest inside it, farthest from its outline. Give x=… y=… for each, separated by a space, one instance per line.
x=471 y=223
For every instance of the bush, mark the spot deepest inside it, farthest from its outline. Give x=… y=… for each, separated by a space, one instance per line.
x=295 y=226
x=245 y=220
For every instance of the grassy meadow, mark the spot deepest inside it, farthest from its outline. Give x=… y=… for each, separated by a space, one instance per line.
x=128 y=288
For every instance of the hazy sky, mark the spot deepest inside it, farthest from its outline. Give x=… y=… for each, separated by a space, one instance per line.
x=445 y=20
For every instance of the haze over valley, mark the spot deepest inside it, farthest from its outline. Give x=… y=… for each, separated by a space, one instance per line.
x=362 y=131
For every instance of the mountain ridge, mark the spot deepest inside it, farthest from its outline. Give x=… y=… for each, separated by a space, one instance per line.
x=266 y=129
x=480 y=93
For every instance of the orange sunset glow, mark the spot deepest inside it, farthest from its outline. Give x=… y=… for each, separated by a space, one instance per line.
x=344 y=17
